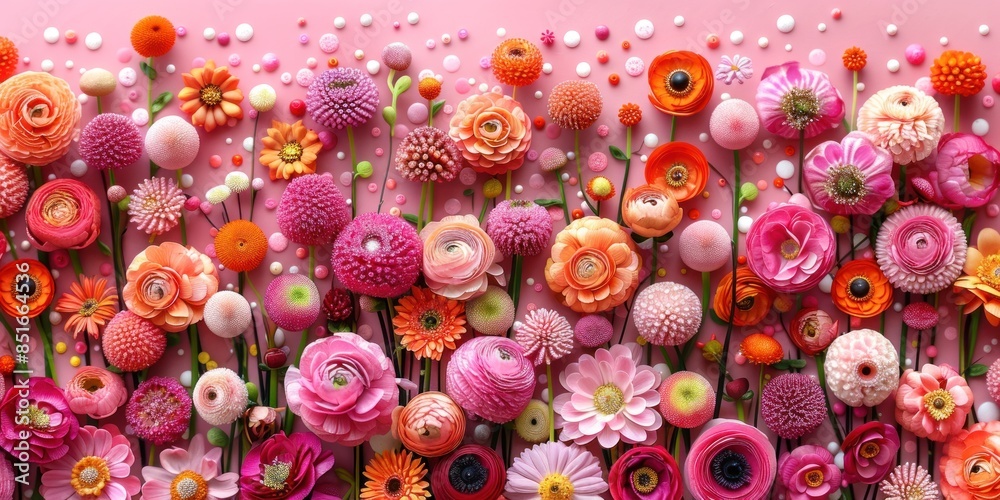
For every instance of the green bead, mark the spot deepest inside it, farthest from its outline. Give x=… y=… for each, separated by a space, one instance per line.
x=218 y=437
x=365 y=169
x=252 y=391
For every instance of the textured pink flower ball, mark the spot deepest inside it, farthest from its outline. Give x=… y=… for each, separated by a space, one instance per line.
x=792 y=405
x=132 y=343
x=552 y=159
x=155 y=205
x=667 y=313
x=312 y=210
x=110 y=141
x=13 y=185
x=593 y=330
x=921 y=249
x=705 y=246
x=428 y=154
x=920 y=316
x=734 y=124
x=519 y=227
x=172 y=143
x=993 y=380
x=378 y=255
x=862 y=368
x=491 y=378
x=228 y=314
x=159 y=410
x=292 y=301
x=397 y=56
x=686 y=399
x=220 y=396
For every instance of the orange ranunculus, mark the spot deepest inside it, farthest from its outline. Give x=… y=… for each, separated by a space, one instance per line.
x=431 y=424
x=26 y=288
x=516 y=62
x=680 y=82
x=860 y=289
x=594 y=265
x=753 y=298
x=169 y=285
x=492 y=131
x=63 y=214
x=681 y=166
x=211 y=96
x=650 y=210
x=39 y=118
x=290 y=150
x=969 y=465
x=980 y=285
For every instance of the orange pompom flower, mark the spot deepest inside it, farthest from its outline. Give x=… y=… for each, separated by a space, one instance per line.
x=153 y=36
x=8 y=58
x=958 y=73
x=681 y=167
x=753 y=298
x=855 y=59
x=860 y=289
x=629 y=114
x=211 y=96
x=240 y=245
x=91 y=303
x=600 y=188
x=429 y=88
x=680 y=82
x=516 y=62
x=761 y=349
x=428 y=323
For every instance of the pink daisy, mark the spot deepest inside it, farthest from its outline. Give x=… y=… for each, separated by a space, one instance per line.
x=190 y=473
x=98 y=466
x=562 y=471
x=853 y=176
x=737 y=68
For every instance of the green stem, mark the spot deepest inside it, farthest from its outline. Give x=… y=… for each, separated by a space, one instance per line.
x=253 y=165
x=272 y=393
x=740 y=411
x=430 y=113
x=9 y=238
x=427 y=374
x=854 y=103
x=183 y=222
x=562 y=195
x=430 y=202
x=359 y=454
x=99 y=110
x=195 y=371
x=510 y=173
x=958 y=103
x=673 y=127
x=579 y=170
x=392 y=134
x=515 y=280
x=552 y=412
x=760 y=389
x=152 y=455
x=821 y=375
x=802 y=157
x=973 y=337
x=354 y=172
x=74 y=258
x=628 y=161
x=149 y=106
x=46 y=336
x=482 y=211
x=423 y=204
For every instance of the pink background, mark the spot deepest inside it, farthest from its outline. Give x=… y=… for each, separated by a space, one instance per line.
x=277 y=30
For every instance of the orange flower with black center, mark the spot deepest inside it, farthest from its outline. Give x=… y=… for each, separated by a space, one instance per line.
x=211 y=96
x=428 y=323
x=26 y=288
x=90 y=303
x=855 y=59
x=396 y=475
x=629 y=114
x=516 y=62
x=240 y=245
x=753 y=298
x=680 y=82
x=153 y=36
x=681 y=167
x=958 y=73
x=761 y=349
x=860 y=289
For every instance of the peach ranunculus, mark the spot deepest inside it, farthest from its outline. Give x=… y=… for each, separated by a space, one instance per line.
x=39 y=118
x=431 y=424
x=594 y=265
x=969 y=465
x=63 y=214
x=933 y=402
x=492 y=131
x=459 y=258
x=650 y=210
x=169 y=284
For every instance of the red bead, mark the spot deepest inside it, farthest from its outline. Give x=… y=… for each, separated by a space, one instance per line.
x=539 y=122
x=996 y=83
x=577 y=213
x=626 y=45
x=614 y=79
x=836 y=14
x=237 y=160
x=713 y=41
x=602 y=56
x=275 y=358
x=297 y=107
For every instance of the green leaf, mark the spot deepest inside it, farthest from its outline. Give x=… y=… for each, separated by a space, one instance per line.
x=114 y=369
x=798 y=364
x=160 y=102
x=968 y=222
x=716 y=319
x=436 y=107
x=548 y=202
x=781 y=365
x=104 y=248
x=638 y=238
x=468 y=192
x=725 y=397
x=173 y=339
x=616 y=153
x=218 y=437
x=147 y=70
x=977 y=370
x=411 y=218
x=748 y=395
x=402 y=85
x=389 y=115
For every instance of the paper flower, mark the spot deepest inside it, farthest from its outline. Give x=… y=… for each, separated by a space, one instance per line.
x=808 y=473
x=910 y=481
x=932 y=403
x=378 y=255
x=561 y=471
x=791 y=248
x=159 y=410
x=687 y=399
x=980 y=285
x=593 y=265
x=734 y=124
x=792 y=405
x=459 y=257
x=870 y=452
x=428 y=154
x=98 y=465
x=516 y=62
x=428 y=323
x=730 y=459
x=862 y=368
x=680 y=82
x=861 y=289
x=964 y=173
x=853 y=176
x=812 y=330
x=575 y=104
x=169 y=285
x=921 y=249
x=545 y=335
x=470 y=472
x=519 y=227
x=490 y=378
x=532 y=425
x=45 y=418
x=110 y=141
x=342 y=97
x=431 y=424
x=132 y=343
x=753 y=298
x=285 y=467
x=679 y=168
x=172 y=143
x=903 y=120
x=650 y=210
x=736 y=68
x=396 y=474
x=645 y=472
x=63 y=214
x=211 y=96
x=90 y=303
x=312 y=210
x=793 y=100
x=39 y=117
x=667 y=313
x=95 y=392
x=967 y=465
x=492 y=131
x=289 y=150
x=187 y=473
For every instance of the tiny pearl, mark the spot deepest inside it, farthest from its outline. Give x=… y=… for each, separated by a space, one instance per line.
x=984 y=29
x=943 y=40
x=891 y=30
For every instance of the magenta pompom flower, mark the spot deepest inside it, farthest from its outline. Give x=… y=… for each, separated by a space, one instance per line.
x=397 y=56
x=730 y=459
x=853 y=176
x=561 y=471
x=610 y=397
x=159 y=410
x=312 y=210
x=342 y=97
x=791 y=248
x=155 y=206
x=686 y=399
x=491 y=378
x=13 y=185
x=378 y=255
x=793 y=405
x=110 y=141
x=545 y=335
x=793 y=100
x=428 y=154
x=292 y=302
x=519 y=227
x=862 y=368
x=965 y=172
x=593 y=330
x=808 y=473
x=667 y=313
x=921 y=249
x=734 y=124
x=50 y=425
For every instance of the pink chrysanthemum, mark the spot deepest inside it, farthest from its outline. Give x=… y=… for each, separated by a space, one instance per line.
x=593 y=330
x=734 y=124
x=172 y=142
x=562 y=471
x=132 y=343
x=428 y=154
x=155 y=206
x=920 y=316
x=519 y=227
x=342 y=97
x=793 y=100
x=667 y=313
x=862 y=368
x=910 y=481
x=792 y=405
x=159 y=410
x=292 y=302
x=312 y=210
x=921 y=249
x=397 y=56
x=13 y=185
x=545 y=335
x=575 y=104
x=686 y=399
x=610 y=397
x=705 y=246
x=491 y=378
x=378 y=255
x=110 y=141
x=220 y=396
x=552 y=159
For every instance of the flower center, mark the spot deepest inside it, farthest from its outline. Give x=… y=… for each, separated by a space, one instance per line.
x=609 y=399
x=745 y=304
x=869 y=450
x=430 y=320
x=679 y=83
x=731 y=469
x=790 y=249
x=845 y=184
x=939 y=403
x=678 y=175
x=342 y=84
x=859 y=289
x=339 y=380
x=88 y=308
x=467 y=474
x=586 y=268
x=372 y=244
x=188 y=485
x=989 y=271
x=814 y=478
x=276 y=474
x=801 y=107
x=491 y=126
x=37 y=418
x=89 y=476
x=393 y=487
x=210 y=95
x=91 y=385
x=26 y=288
x=290 y=152
x=555 y=486
x=866 y=371
x=645 y=480
x=60 y=209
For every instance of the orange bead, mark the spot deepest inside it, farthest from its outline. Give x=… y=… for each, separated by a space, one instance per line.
x=614 y=79
x=539 y=122
x=626 y=45
x=779 y=182
x=577 y=213
x=332 y=62
x=742 y=259
x=694 y=214
x=237 y=160
x=602 y=56
x=789 y=150
x=758 y=157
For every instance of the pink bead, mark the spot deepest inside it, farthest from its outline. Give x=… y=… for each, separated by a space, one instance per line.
x=234 y=60
x=769 y=330
x=836 y=14
x=372 y=187
x=376 y=132
x=463 y=34
x=390 y=184
x=602 y=32
x=597 y=162
x=859 y=412
x=484 y=63
x=988 y=100
x=270 y=61
x=223 y=38
x=379 y=152
x=277 y=242
x=400 y=199
x=301 y=252
x=931 y=351
x=80 y=348
x=301 y=22
x=532 y=155
x=839 y=408
x=181 y=31
x=915 y=54
x=320 y=331
x=206 y=207
x=328 y=139
x=716 y=214
x=573 y=181
x=855 y=323
x=992 y=210
x=106 y=269
x=603 y=130
x=215 y=161
x=810 y=301
x=303 y=39
x=740 y=359
x=270 y=203
x=192 y=204
x=252 y=113
x=321 y=272
x=996 y=83
x=762 y=185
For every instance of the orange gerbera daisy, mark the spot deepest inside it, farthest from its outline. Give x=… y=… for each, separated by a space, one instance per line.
x=210 y=95
x=682 y=166
x=753 y=298
x=153 y=36
x=290 y=150
x=516 y=62
x=240 y=245
x=428 y=323
x=26 y=288
x=980 y=286
x=680 y=82
x=860 y=289
x=761 y=349
x=91 y=304
x=397 y=475
x=958 y=73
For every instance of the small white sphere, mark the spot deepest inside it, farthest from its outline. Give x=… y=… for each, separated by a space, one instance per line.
x=892 y=65
x=359 y=54
x=93 y=41
x=736 y=37
x=984 y=29
x=244 y=32
x=703 y=137
x=78 y=168
x=943 y=41
x=51 y=34
x=980 y=127
x=366 y=20
x=48 y=65
x=339 y=22
x=762 y=42
x=725 y=96
x=583 y=70
x=744 y=223
x=821 y=27
x=413 y=18
x=833 y=447
x=860 y=87
x=185 y=378
x=679 y=21
x=501 y=31
x=538 y=94
x=518 y=189
x=248 y=144
x=785 y=169
x=988 y=412
x=651 y=140
x=276 y=268
x=209 y=33
x=788 y=47
x=171 y=68
x=571 y=38
x=786 y=23
x=891 y=30
x=279 y=337
x=644 y=29
x=767 y=143
x=187 y=180
x=547 y=68
x=373 y=67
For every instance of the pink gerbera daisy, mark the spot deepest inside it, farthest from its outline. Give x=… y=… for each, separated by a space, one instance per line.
x=98 y=465
x=190 y=473
x=558 y=470
x=793 y=100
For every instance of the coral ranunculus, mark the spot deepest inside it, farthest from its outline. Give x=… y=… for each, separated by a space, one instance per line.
x=459 y=257
x=965 y=173
x=681 y=166
x=753 y=298
x=63 y=214
x=593 y=266
x=968 y=465
x=791 y=248
x=650 y=210
x=680 y=82
x=431 y=424
x=39 y=118
x=169 y=285
x=492 y=131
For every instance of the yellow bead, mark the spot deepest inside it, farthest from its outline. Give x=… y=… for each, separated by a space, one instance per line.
x=661 y=272
x=641 y=340
x=74 y=361
x=61 y=347
x=253 y=350
x=203 y=357
x=211 y=365
x=684 y=271
x=705 y=194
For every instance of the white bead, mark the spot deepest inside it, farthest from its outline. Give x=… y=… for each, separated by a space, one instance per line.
x=518 y=189
x=78 y=168
x=276 y=268
x=248 y=144
x=366 y=20
x=244 y=32
x=821 y=27
x=187 y=181
x=744 y=223
x=48 y=65
x=651 y=140
x=279 y=337
x=826 y=284
x=51 y=34
x=785 y=169
x=583 y=70
x=679 y=21
x=943 y=41
x=892 y=65
x=980 y=127
x=703 y=137
x=209 y=33
x=413 y=18
x=339 y=22
x=644 y=29
x=538 y=94
x=736 y=37
x=984 y=29
x=762 y=42
x=786 y=23
x=547 y=68
x=891 y=30
x=571 y=38
x=373 y=67
x=93 y=41
x=185 y=378
x=501 y=31
x=988 y=412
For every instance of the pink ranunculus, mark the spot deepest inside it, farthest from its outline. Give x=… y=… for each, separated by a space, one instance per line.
x=51 y=426
x=730 y=459
x=964 y=173
x=793 y=100
x=870 y=452
x=492 y=131
x=790 y=248
x=933 y=402
x=808 y=473
x=491 y=378
x=95 y=392
x=63 y=214
x=298 y=459
x=459 y=257
x=921 y=248
x=103 y=454
x=344 y=389
x=645 y=472
x=853 y=176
